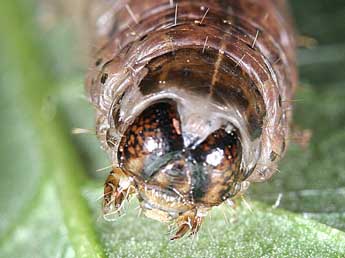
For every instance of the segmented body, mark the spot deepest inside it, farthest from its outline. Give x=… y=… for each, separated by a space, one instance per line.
x=226 y=60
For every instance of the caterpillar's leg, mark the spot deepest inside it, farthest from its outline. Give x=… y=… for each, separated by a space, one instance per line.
x=189 y=221
x=117 y=188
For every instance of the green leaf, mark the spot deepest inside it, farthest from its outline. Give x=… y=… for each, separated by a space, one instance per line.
x=49 y=188
x=26 y=87
x=258 y=231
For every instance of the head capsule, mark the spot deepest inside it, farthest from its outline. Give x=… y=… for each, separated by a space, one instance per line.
x=174 y=172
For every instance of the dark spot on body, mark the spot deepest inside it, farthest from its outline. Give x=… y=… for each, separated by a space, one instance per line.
x=255 y=126
x=273 y=156
x=98 y=62
x=104 y=78
x=143 y=37
x=280 y=100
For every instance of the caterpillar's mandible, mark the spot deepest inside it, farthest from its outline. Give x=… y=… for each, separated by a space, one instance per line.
x=189 y=99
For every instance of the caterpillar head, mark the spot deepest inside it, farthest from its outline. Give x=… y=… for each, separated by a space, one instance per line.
x=176 y=170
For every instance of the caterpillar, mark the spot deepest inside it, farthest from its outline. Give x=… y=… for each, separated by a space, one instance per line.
x=190 y=101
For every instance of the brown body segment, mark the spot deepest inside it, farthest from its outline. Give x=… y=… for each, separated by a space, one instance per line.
x=231 y=86
x=164 y=70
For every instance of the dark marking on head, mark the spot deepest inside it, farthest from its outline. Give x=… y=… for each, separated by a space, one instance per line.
x=218 y=161
x=152 y=149
x=151 y=136
x=200 y=182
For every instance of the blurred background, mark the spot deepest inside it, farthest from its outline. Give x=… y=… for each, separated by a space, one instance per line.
x=50 y=187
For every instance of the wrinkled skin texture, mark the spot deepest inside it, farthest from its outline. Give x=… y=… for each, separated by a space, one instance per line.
x=190 y=101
